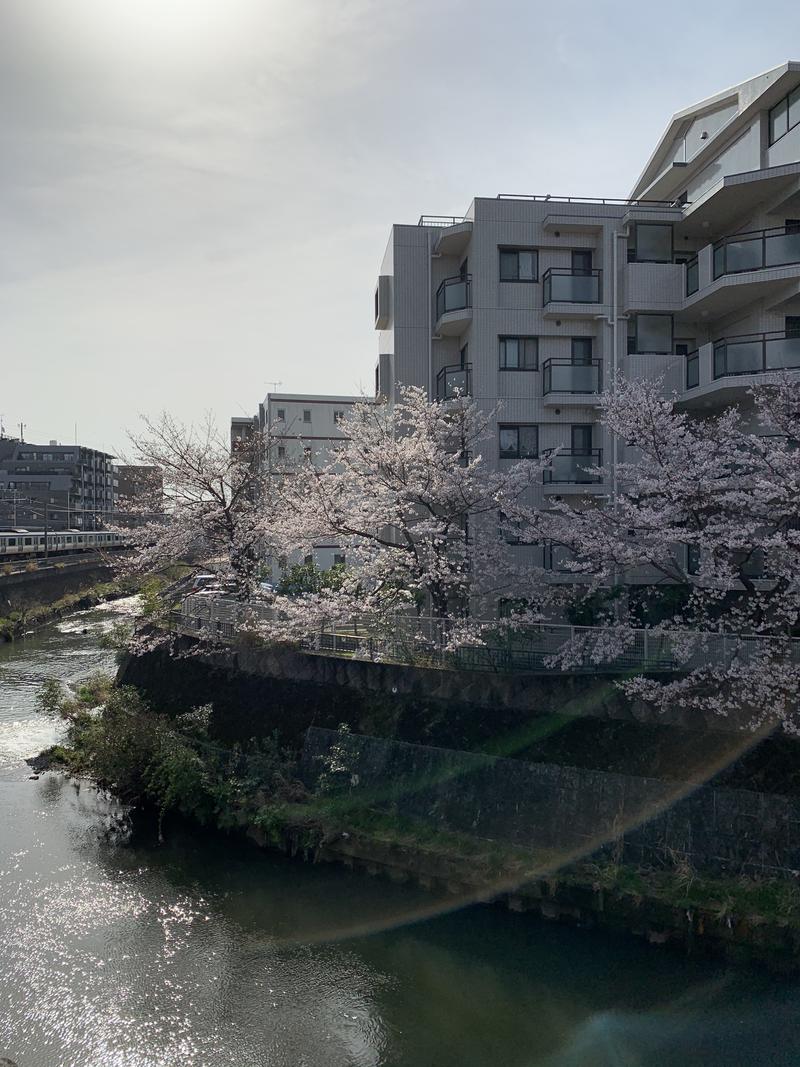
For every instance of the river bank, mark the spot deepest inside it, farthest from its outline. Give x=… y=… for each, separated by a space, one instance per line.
x=323 y=805
x=205 y=950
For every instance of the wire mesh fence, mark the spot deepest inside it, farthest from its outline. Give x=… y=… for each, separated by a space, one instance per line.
x=427 y=641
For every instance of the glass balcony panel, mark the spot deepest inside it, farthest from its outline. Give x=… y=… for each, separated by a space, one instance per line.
x=692 y=370
x=744 y=255
x=692 y=276
x=452 y=382
x=782 y=353
x=577 y=289
x=740 y=357
x=453 y=295
x=570 y=467
x=571 y=377
x=782 y=249
x=562 y=285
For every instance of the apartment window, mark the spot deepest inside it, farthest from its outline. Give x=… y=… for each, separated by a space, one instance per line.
x=650 y=334
x=281 y=415
x=581 y=439
x=792 y=326
x=582 y=261
x=306 y=415
x=784 y=116
x=338 y=559
x=519 y=441
x=519 y=353
x=281 y=452
x=692 y=370
x=338 y=416
x=519 y=265
x=582 y=351
x=651 y=242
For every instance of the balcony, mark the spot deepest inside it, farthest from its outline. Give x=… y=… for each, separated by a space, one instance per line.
x=564 y=381
x=563 y=285
x=453 y=382
x=755 y=354
x=571 y=470
x=454 y=305
x=719 y=374
x=757 y=250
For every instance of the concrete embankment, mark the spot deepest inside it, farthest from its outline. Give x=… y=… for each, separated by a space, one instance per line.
x=30 y=599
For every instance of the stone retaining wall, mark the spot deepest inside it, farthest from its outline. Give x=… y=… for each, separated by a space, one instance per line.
x=571 y=811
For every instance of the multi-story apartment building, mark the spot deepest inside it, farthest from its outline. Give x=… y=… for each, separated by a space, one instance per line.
x=298 y=428
x=534 y=302
x=60 y=486
x=77 y=484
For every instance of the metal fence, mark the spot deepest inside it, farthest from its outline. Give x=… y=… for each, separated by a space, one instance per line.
x=553 y=648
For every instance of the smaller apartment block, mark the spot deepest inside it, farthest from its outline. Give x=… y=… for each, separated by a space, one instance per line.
x=60 y=486
x=299 y=428
x=533 y=303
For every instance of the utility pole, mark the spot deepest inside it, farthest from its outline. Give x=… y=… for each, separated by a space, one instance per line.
x=46 y=551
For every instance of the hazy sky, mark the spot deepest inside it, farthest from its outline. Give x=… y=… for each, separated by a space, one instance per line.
x=195 y=195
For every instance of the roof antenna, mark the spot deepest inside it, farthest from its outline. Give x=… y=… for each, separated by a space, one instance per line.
x=274 y=385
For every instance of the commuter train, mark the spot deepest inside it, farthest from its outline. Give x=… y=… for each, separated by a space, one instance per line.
x=17 y=542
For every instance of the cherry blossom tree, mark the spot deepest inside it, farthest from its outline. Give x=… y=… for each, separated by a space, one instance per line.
x=701 y=545
x=417 y=513
x=211 y=507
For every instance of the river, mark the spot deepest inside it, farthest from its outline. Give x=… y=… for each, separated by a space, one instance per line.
x=203 y=952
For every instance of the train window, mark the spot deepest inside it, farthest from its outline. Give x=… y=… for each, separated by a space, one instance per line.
x=28 y=540
x=12 y=541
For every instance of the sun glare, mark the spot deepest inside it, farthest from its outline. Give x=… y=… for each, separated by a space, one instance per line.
x=180 y=28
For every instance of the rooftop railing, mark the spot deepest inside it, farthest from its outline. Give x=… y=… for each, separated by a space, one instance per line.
x=442 y=220
x=610 y=200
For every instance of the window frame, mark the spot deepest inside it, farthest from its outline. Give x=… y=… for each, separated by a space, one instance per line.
x=790 y=101
x=583 y=362
x=517 y=453
x=501 y=343
x=306 y=415
x=633 y=250
x=634 y=351
x=515 y=250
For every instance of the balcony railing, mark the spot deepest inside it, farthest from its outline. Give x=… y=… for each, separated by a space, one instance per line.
x=565 y=376
x=452 y=382
x=572 y=467
x=692 y=369
x=692 y=276
x=756 y=354
x=568 y=286
x=777 y=247
x=454 y=294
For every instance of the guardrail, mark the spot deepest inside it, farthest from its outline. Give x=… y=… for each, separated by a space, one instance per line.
x=611 y=200
x=422 y=641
